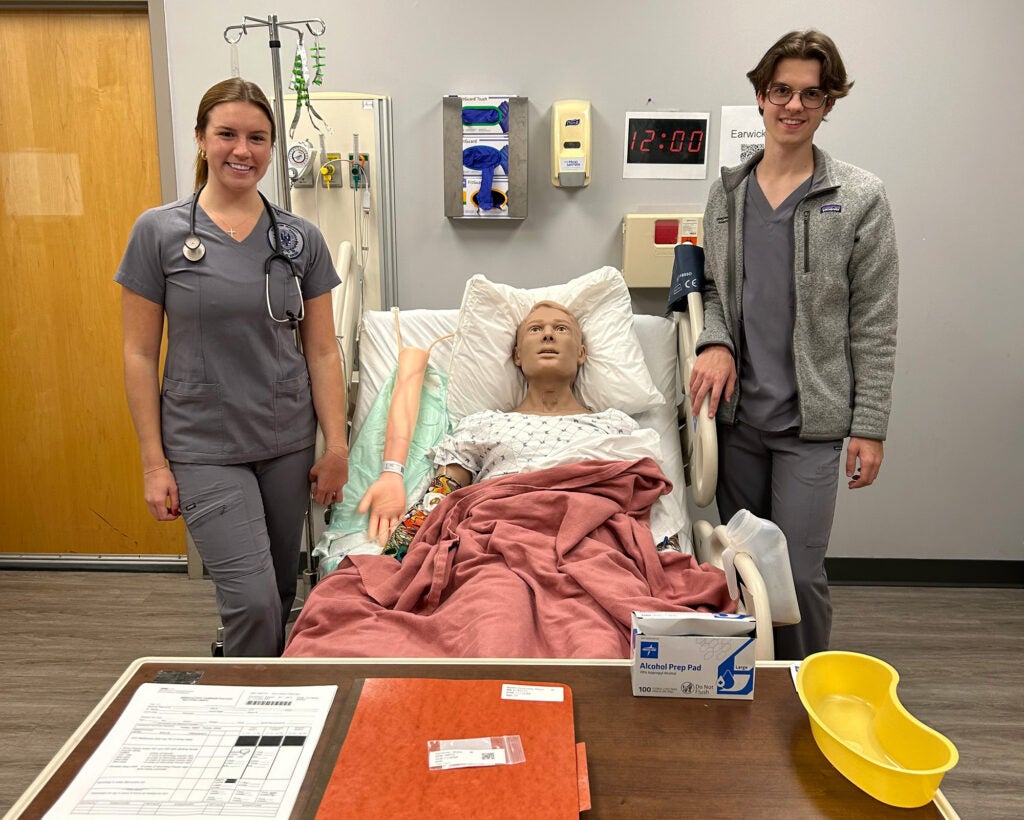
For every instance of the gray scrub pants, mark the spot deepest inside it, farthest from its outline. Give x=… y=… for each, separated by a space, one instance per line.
x=793 y=482
x=246 y=521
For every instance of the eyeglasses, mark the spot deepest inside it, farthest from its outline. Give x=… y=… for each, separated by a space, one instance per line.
x=809 y=97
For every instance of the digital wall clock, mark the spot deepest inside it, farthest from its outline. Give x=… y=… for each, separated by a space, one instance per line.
x=665 y=145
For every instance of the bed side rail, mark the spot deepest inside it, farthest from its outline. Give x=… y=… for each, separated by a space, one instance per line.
x=699 y=438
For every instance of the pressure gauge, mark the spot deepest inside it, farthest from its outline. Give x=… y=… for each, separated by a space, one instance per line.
x=300 y=163
x=298 y=154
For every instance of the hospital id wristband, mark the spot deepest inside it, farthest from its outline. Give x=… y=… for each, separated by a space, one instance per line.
x=393 y=467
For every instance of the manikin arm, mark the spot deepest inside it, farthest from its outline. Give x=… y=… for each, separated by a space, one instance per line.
x=385 y=499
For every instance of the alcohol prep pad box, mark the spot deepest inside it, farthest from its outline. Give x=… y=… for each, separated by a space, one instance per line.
x=693 y=655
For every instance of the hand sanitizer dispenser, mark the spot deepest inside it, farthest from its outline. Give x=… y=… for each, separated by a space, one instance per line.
x=570 y=144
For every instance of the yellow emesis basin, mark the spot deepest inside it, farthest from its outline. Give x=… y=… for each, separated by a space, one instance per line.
x=866 y=733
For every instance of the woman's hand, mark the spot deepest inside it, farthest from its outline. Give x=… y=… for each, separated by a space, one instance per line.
x=161 y=494
x=329 y=475
x=385 y=501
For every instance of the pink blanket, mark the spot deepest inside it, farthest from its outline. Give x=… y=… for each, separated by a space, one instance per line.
x=542 y=564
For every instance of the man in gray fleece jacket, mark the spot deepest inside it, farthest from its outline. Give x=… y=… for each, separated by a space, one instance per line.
x=800 y=322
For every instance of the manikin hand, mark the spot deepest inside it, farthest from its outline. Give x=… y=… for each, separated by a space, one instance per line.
x=385 y=501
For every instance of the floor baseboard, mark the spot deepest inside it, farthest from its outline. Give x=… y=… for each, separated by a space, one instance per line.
x=925 y=572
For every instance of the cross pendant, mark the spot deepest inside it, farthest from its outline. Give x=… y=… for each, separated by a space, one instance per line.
x=231 y=232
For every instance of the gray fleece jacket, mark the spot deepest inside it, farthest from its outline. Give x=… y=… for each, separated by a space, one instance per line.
x=846 y=276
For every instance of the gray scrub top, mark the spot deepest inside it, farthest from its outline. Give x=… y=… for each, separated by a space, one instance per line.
x=235 y=386
x=768 y=389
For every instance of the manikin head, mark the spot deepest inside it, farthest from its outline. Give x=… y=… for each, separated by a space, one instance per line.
x=549 y=343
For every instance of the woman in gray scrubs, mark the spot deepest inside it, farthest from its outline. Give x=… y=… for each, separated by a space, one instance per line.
x=227 y=441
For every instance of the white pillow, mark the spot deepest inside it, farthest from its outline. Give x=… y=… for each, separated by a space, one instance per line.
x=483 y=377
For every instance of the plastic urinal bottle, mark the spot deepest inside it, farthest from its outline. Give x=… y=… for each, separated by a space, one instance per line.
x=765 y=543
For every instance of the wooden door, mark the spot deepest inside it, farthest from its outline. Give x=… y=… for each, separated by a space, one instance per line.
x=78 y=163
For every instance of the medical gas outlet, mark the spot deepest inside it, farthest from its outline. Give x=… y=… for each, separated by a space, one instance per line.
x=570 y=144
x=332 y=171
x=359 y=170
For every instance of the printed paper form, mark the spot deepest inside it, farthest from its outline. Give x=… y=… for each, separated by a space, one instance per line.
x=191 y=751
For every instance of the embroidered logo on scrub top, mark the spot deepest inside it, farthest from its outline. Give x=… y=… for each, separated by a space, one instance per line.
x=831 y=209
x=292 y=240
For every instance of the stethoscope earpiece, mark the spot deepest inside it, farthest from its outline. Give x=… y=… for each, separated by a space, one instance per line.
x=194 y=249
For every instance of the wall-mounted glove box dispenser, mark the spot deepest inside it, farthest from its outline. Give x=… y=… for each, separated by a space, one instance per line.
x=485 y=155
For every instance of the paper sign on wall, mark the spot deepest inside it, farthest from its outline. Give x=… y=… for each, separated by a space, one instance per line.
x=742 y=134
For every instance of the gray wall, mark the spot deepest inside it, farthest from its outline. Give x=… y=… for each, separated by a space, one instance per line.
x=935 y=112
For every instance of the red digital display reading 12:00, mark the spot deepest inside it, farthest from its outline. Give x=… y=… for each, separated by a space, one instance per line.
x=661 y=141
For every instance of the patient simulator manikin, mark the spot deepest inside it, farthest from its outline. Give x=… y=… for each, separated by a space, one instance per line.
x=549 y=351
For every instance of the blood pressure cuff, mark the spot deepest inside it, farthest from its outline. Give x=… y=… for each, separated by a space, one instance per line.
x=687 y=275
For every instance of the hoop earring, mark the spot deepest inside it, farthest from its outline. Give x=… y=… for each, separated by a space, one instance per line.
x=202 y=155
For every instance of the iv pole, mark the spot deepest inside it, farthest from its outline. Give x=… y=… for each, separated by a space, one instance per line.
x=281 y=172
x=272 y=23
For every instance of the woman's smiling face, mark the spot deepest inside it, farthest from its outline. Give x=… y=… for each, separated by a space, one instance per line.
x=238 y=145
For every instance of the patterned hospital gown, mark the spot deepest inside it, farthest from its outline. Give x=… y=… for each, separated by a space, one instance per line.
x=491 y=444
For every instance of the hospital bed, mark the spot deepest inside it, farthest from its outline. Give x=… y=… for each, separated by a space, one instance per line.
x=369 y=347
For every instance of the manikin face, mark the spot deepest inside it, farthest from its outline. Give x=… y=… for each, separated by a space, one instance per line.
x=549 y=343
x=237 y=145
x=792 y=125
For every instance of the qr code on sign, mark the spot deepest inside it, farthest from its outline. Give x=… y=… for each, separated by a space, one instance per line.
x=748 y=149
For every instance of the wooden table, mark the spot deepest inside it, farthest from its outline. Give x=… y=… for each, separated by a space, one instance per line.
x=647 y=757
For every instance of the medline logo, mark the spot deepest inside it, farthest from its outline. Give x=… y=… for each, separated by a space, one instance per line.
x=648 y=649
x=572 y=122
x=831 y=209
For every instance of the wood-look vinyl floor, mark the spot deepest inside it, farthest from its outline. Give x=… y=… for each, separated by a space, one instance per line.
x=70 y=635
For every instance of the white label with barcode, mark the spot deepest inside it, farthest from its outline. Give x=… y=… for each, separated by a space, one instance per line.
x=513 y=691
x=461 y=758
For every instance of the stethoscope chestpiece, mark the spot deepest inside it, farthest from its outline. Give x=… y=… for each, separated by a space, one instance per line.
x=193 y=249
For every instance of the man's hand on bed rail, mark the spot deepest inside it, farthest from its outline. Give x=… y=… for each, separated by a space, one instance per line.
x=714 y=374
x=385 y=501
x=329 y=475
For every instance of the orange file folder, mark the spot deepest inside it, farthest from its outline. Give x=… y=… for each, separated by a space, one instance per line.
x=383 y=768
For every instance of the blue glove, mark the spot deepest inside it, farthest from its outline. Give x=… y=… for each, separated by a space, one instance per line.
x=487 y=115
x=485 y=159
x=482 y=115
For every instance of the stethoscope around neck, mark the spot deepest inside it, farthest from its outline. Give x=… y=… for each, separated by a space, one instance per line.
x=194 y=250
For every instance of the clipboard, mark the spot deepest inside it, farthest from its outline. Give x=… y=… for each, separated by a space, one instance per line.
x=383 y=770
